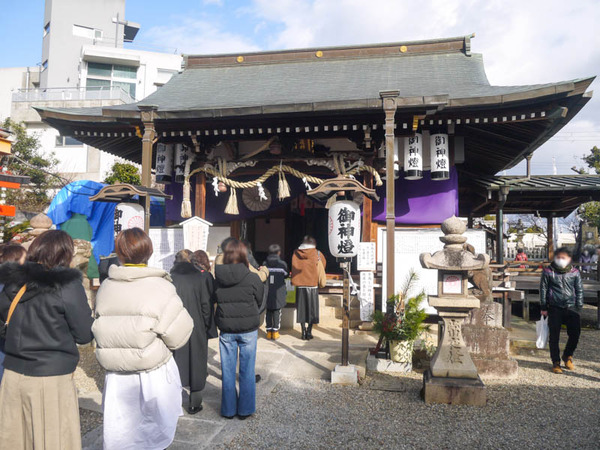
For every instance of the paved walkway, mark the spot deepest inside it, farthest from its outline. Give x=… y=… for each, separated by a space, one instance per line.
x=289 y=357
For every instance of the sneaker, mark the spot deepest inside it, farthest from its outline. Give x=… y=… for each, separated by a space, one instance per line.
x=569 y=363
x=556 y=368
x=269 y=335
x=275 y=335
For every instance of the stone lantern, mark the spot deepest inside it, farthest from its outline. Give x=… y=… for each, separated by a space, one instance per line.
x=453 y=377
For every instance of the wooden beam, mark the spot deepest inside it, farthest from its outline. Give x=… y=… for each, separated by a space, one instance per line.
x=200 y=196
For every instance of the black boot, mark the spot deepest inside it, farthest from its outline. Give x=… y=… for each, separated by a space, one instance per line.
x=309 y=335
x=304 y=335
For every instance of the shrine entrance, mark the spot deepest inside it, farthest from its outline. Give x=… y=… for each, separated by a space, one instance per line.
x=286 y=226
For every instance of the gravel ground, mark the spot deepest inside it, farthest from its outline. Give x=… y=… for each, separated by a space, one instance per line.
x=537 y=410
x=90 y=420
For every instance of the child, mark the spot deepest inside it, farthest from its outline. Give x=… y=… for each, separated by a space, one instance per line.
x=278 y=271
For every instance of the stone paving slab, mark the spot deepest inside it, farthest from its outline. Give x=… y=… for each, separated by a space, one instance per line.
x=288 y=357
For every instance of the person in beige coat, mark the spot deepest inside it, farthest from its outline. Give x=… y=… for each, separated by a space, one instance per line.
x=140 y=320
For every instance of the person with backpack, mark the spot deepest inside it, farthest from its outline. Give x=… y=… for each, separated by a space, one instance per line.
x=276 y=298
x=561 y=300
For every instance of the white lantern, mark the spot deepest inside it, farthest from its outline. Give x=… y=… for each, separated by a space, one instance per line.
x=182 y=153
x=440 y=161
x=164 y=163
x=413 y=157
x=344 y=229
x=128 y=215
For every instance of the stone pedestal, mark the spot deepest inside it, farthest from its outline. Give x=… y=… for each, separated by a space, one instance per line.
x=453 y=391
x=489 y=343
x=344 y=375
x=453 y=376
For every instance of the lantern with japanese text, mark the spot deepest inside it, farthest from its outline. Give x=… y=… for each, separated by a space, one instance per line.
x=164 y=163
x=413 y=157
x=128 y=215
x=344 y=229
x=182 y=153
x=440 y=161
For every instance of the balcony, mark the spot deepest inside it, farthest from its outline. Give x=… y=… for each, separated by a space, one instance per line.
x=72 y=94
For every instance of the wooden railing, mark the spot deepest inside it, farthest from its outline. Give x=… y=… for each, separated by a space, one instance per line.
x=589 y=271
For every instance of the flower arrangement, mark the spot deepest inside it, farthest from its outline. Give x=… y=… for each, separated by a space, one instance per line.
x=403 y=320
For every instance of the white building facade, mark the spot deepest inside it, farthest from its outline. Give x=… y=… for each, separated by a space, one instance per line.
x=84 y=64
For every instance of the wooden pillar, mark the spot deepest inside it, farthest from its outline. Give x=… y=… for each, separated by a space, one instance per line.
x=500 y=235
x=390 y=105
x=200 y=196
x=235 y=227
x=147 y=115
x=550 y=236
x=367 y=218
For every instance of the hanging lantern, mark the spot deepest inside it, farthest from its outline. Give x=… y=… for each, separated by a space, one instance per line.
x=413 y=157
x=182 y=153
x=440 y=162
x=128 y=215
x=344 y=229
x=164 y=163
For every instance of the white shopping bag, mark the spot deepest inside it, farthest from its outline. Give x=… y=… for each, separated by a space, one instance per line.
x=543 y=334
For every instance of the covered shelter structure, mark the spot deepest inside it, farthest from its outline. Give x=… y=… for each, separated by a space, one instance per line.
x=339 y=111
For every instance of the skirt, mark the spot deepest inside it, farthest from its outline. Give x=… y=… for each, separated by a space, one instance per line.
x=141 y=410
x=39 y=412
x=307 y=303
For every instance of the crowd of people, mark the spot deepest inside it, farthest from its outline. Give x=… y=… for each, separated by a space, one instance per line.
x=151 y=330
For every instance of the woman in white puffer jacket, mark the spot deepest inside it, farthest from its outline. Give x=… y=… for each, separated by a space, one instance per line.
x=140 y=320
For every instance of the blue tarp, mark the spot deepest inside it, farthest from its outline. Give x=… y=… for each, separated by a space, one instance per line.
x=75 y=198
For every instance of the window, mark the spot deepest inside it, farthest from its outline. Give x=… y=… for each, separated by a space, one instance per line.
x=46 y=28
x=67 y=141
x=103 y=70
x=108 y=75
x=44 y=65
x=87 y=32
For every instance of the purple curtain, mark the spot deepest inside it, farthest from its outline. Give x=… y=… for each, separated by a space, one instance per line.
x=420 y=202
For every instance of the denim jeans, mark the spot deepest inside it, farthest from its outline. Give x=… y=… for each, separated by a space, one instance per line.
x=243 y=404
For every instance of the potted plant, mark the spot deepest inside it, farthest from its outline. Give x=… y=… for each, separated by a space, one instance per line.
x=402 y=324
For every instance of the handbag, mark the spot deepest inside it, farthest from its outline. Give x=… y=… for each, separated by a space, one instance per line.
x=321 y=271
x=11 y=310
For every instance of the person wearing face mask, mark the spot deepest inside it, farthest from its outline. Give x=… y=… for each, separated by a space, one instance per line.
x=561 y=299
x=586 y=258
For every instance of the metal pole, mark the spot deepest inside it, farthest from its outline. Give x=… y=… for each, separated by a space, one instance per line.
x=147 y=113
x=390 y=106
x=346 y=317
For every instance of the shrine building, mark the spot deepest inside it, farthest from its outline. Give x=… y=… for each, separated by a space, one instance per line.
x=418 y=122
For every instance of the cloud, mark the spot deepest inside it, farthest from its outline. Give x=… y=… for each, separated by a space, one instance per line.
x=523 y=42
x=193 y=35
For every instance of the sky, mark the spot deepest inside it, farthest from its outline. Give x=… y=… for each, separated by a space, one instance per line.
x=522 y=41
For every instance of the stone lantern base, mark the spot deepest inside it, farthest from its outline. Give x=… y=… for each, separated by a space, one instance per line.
x=453 y=391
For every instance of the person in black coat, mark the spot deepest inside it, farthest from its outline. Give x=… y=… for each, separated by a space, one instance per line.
x=276 y=299
x=195 y=286
x=38 y=396
x=239 y=295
